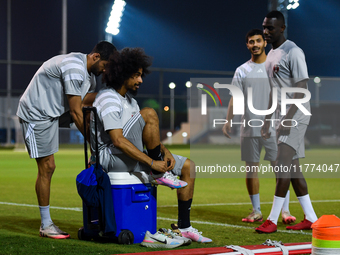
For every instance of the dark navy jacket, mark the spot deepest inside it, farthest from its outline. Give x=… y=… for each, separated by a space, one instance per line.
x=94 y=188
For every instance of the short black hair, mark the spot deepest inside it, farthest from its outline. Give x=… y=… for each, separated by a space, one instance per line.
x=105 y=49
x=278 y=15
x=254 y=32
x=124 y=64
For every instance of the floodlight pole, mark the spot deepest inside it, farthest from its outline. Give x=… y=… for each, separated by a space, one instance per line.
x=172 y=105
x=64 y=28
x=160 y=100
x=172 y=109
x=188 y=84
x=9 y=71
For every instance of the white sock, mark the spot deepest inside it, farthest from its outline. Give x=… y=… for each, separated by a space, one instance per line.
x=255 y=200
x=285 y=207
x=307 y=208
x=276 y=208
x=45 y=216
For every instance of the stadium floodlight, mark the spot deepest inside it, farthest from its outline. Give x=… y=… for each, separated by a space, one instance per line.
x=172 y=85
x=115 y=17
x=293 y=4
x=199 y=85
x=317 y=80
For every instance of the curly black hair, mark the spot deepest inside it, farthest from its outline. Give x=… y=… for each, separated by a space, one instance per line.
x=123 y=64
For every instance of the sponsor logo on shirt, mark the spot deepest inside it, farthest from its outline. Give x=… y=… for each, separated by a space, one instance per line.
x=275 y=68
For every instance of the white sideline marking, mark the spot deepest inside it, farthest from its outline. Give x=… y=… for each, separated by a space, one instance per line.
x=79 y=209
x=248 y=203
x=235 y=226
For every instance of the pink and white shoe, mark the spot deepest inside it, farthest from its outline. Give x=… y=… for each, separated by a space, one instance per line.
x=287 y=218
x=253 y=216
x=194 y=234
x=168 y=179
x=52 y=231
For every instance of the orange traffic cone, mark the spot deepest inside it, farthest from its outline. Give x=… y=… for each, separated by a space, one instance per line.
x=326 y=235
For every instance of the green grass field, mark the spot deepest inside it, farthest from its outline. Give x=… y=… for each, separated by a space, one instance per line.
x=218 y=205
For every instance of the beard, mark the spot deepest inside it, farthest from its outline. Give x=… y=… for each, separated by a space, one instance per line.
x=133 y=92
x=260 y=51
x=95 y=69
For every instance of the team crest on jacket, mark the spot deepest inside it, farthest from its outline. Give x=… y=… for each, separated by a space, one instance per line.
x=275 y=68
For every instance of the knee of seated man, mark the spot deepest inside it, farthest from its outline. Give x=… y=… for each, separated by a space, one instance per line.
x=148 y=113
x=189 y=168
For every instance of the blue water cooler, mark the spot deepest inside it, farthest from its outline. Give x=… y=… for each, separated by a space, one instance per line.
x=135 y=203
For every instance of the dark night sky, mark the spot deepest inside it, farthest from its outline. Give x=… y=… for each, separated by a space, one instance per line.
x=188 y=34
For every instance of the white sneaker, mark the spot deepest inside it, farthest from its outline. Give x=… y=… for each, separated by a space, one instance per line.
x=176 y=234
x=167 y=179
x=160 y=240
x=52 y=231
x=193 y=234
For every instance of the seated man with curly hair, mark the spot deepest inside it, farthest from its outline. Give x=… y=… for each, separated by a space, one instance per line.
x=124 y=129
